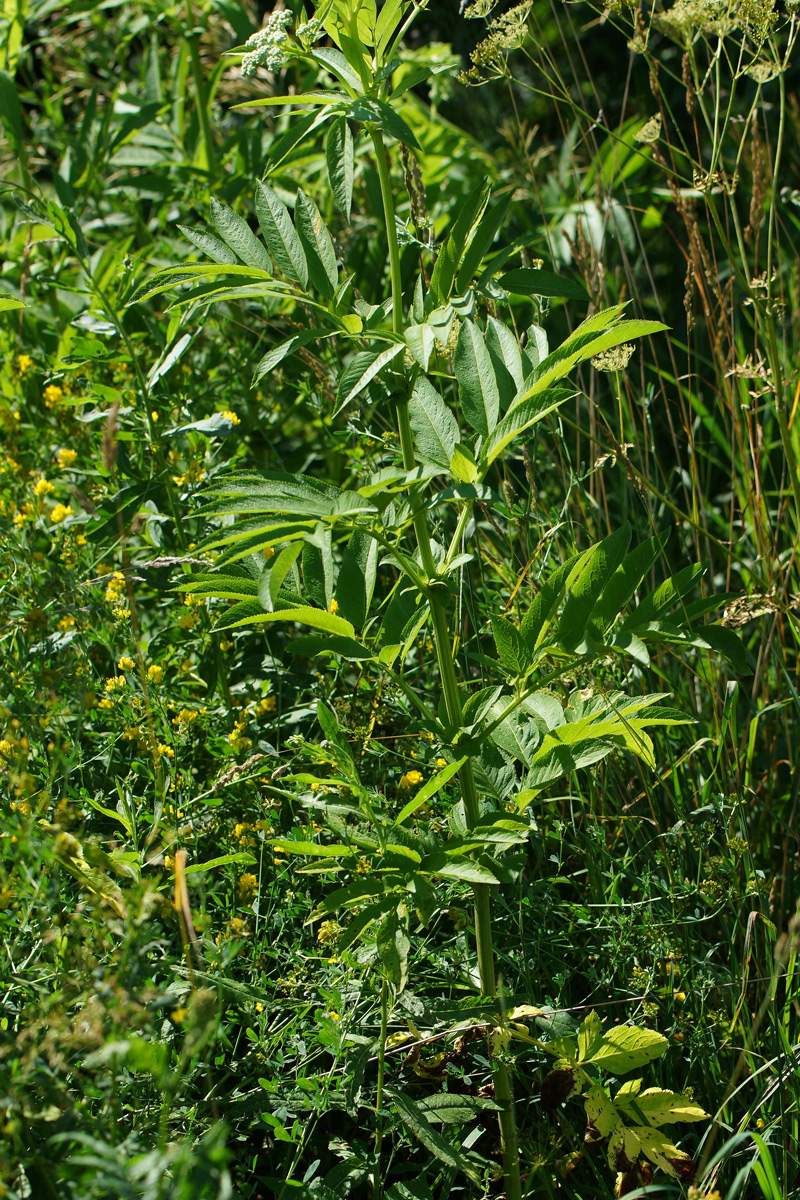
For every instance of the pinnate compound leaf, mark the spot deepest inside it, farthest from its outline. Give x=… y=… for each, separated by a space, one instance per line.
x=480 y=396
x=280 y=234
x=239 y=237
x=339 y=159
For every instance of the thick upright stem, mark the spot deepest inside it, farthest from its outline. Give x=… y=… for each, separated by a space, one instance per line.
x=452 y=697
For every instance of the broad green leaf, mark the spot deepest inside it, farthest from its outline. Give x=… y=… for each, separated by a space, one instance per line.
x=430 y=789
x=334 y=61
x=278 y=571
x=339 y=159
x=554 y=759
x=239 y=237
x=318 y=568
x=420 y=340
x=207 y=244
x=280 y=234
x=424 y=1132
x=477 y=386
x=528 y=281
x=162 y=281
x=317 y=243
x=539 y=616
x=313 y=99
x=232 y=587
x=520 y=418
x=454 y=868
x=512 y=649
x=504 y=349
x=600 y=563
x=355 y=581
x=623 y=1048
x=387 y=23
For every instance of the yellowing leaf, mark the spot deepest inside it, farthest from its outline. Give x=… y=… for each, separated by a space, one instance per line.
x=662 y=1108
x=601 y=1114
x=623 y=1048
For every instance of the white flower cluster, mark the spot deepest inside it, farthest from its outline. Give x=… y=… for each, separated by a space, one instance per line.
x=266 y=45
x=310 y=32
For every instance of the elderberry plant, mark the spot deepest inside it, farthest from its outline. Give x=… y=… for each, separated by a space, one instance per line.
x=371 y=567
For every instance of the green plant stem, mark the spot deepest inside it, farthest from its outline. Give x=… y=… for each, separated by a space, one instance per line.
x=378 y=1186
x=196 y=65
x=452 y=695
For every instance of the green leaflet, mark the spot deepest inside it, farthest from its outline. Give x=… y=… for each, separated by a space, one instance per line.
x=378 y=112
x=623 y=583
x=424 y=1132
x=601 y=561
x=362 y=370
x=430 y=789
x=393 y=944
x=207 y=244
x=339 y=159
x=278 y=353
x=315 y=618
x=481 y=242
x=477 y=386
x=457 y=241
x=239 y=237
x=512 y=648
x=520 y=418
x=280 y=234
x=317 y=244
x=528 y=281
x=583 y=344
x=434 y=427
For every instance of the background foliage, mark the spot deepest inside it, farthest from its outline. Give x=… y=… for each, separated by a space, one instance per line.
x=189 y=1032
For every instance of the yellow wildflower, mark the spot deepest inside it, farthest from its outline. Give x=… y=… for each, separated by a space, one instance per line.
x=247 y=886
x=267 y=705
x=66 y=458
x=115 y=684
x=105 y=703
x=334 y=606
x=43 y=487
x=411 y=779
x=60 y=513
x=155 y=673
x=52 y=394
x=66 y=623
x=125 y=663
x=330 y=933
x=24 y=363
x=165 y=751
x=231 y=416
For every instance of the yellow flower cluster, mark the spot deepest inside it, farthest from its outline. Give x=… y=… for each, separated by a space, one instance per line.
x=66 y=458
x=268 y=705
x=186 y=716
x=231 y=416
x=125 y=663
x=24 y=363
x=330 y=932
x=247 y=886
x=60 y=513
x=411 y=779
x=237 y=736
x=116 y=587
x=165 y=751
x=43 y=487
x=155 y=673
x=52 y=395
x=115 y=684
